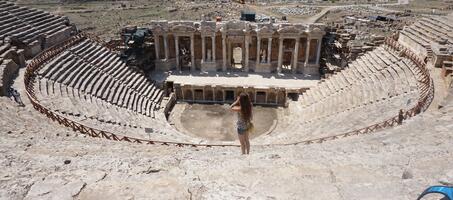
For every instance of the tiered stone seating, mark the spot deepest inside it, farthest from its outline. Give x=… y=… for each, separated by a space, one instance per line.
x=11 y=59
x=427 y=30
x=91 y=71
x=372 y=89
x=105 y=116
x=89 y=84
x=32 y=28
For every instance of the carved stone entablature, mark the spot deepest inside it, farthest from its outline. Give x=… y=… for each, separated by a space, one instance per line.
x=183 y=29
x=236 y=39
x=289 y=31
x=158 y=30
x=208 y=28
x=265 y=30
x=238 y=28
x=159 y=27
x=235 y=28
x=316 y=30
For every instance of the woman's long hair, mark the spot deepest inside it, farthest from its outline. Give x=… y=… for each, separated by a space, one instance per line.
x=246 y=107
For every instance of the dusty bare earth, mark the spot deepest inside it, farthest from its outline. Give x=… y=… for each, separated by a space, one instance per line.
x=106 y=18
x=217 y=122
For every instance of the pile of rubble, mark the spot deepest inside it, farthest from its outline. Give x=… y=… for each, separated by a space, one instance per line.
x=357 y=30
x=298 y=10
x=224 y=9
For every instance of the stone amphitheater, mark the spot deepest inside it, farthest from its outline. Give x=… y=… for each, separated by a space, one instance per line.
x=94 y=127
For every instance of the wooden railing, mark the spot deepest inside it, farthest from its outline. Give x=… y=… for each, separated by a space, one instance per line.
x=425 y=85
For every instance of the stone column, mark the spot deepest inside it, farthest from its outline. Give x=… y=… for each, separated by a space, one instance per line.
x=307 y=51
x=157 y=47
x=213 y=48
x=318 y=53
x=166 y=47
x=192 y=52
x=204 y=94
x=246 y=60
x=229 y=54
x=269 y=50
x=255 y=97
x=280 y=55
x=183 y=91
x=295 y=56
x=258 y=50
x=224 y=66
x=203 y=49
x=178 y=67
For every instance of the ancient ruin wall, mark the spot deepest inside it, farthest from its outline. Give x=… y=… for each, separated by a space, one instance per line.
x=211 y=46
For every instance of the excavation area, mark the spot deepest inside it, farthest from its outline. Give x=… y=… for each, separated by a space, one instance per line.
x=216 y=122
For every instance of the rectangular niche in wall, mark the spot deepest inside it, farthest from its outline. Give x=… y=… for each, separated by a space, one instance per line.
x=229 y=95
x=260 y=97
x=199 y=95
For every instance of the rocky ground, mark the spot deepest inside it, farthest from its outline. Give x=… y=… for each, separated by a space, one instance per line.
x=42 y=160
x=107 y=18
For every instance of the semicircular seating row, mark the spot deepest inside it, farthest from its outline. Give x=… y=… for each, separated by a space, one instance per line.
x=90 y=84
x=372 y=89
x=428 y=30
x=37 y=29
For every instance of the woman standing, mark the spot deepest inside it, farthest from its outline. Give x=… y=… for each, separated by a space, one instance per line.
x=243 y=106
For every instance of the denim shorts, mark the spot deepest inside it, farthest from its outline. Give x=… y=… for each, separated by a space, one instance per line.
x=241 y=131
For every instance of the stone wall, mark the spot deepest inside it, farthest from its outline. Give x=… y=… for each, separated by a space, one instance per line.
x=222 y=94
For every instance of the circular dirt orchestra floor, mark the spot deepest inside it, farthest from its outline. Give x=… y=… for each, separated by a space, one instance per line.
x=218 y=122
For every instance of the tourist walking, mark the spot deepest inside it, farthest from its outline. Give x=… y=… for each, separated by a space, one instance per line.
x=16 y=95
x=243 y=106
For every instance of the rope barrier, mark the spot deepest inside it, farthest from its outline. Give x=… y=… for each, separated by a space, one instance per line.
x=425 y=86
